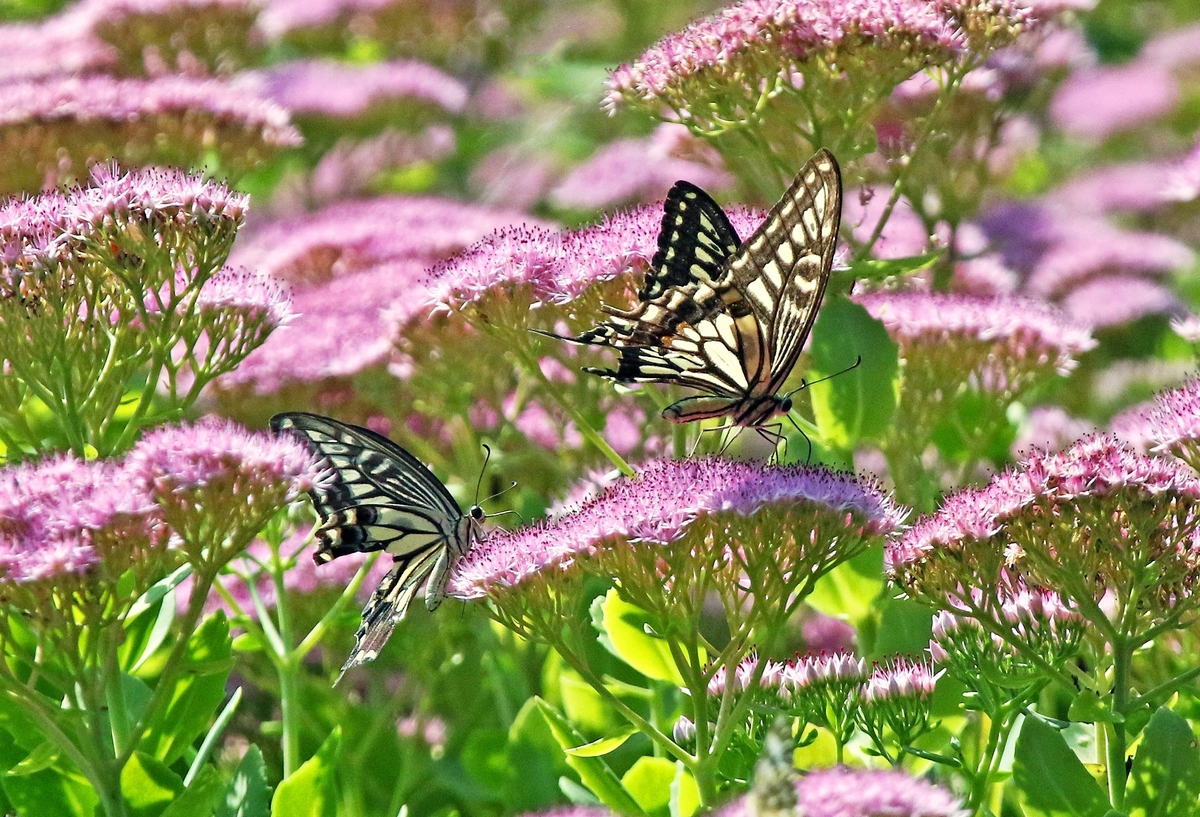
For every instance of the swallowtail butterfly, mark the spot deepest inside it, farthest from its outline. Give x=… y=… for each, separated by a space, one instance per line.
x=725 y=317
x=383 y=498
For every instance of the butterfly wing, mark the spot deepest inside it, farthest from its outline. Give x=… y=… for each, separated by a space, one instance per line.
x=733 y=334
x=783 y=268
x=382 y=498
x=695 y=243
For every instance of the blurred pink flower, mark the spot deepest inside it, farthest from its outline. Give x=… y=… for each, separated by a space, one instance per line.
x=355 y=235
x=341 y=327
x=1095 y=103
x=1049 y=428
x=1117 y=300
x=342 y=90
x=641 y=170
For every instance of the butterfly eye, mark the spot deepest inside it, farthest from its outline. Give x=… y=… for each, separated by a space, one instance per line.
x=785 y=405
x=477 y=513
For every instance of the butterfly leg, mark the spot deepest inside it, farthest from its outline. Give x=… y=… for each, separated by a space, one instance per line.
x=774 y=435
x=808 y=442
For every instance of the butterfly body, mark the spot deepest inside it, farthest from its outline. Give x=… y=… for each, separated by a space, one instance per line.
x=383 y=498
x=725 y=317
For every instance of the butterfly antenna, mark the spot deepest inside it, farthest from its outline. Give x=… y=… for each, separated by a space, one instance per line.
x=805 y=384
x=807 y=440
x=479 y=483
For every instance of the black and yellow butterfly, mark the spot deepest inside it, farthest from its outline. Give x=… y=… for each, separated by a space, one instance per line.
x=383 y=498
x=725 y=317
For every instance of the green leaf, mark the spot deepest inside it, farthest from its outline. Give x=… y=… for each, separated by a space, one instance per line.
x=51 y=793
x=849 y=590
x=1165 y=779
x=584 y=707
x=871 y=269
x=200 y=798
x=592 y=771
x=148 y=785
x=649 y=781
x=853 y=402
x=626 y=627
x=247 y=794
x=1051 y=778
x=905 y=627
x=42 y=757
x=311 y=790
x=685 y=794
x=601 y=747
x=1088 y=708
x=199 y=690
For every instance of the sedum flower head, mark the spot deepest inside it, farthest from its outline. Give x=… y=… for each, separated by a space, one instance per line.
x=156 y=37
x=897 y=696
x=62 y=125
x=334 y=90
x=1000 y=345
x=844 y=792
x=800 y=65
x=758 y=535
x=65 y=517
x=1170 y=425
x=217 y=484
x=1094 y=520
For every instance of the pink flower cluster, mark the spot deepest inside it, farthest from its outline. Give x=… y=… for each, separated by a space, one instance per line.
x=999 y=342
x=1171 y=424
x=65 y=517
x=658 y=506
x=341 y=90
x=786 y=33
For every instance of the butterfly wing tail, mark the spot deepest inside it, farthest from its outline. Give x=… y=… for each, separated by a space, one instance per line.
x=383 y=612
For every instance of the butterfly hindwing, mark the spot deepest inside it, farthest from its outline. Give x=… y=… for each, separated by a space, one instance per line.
x=382 y=498
x=733 y=333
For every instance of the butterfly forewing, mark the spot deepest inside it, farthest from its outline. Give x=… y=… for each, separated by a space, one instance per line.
x=783 y=268
x=731 y=332
x=382 y=498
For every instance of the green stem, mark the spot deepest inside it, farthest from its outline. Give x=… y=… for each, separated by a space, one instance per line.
x=164 y=689
x=287 y=665
x=1122 y=656
x=585 y=428
x=114 y=692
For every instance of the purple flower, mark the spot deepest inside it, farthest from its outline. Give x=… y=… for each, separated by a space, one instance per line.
x=1134 y=187
x=1049 y=428
x=351 y=168
x=340 y=328
x=1183 y=184
x=58 y=46
x=842 y=792
x=558 y=266
x=217 y=484
x=61 y=124
x=252 y=294
x=1097 y=102
x=824 y=633
x=1000 y=344
x=647 y=532
x=1171 y=424
x=641 y=170
x=64 y=517
x=344 y=91
x=356 y=235
x=157 y=37
x=281 y=16
x=1084 y=522
x=1095 y=250
x=899 y=678
x=1116 y=300
x=756 y=38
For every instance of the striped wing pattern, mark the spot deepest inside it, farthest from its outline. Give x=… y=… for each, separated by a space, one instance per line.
x=383 y=498
x=733 y=325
